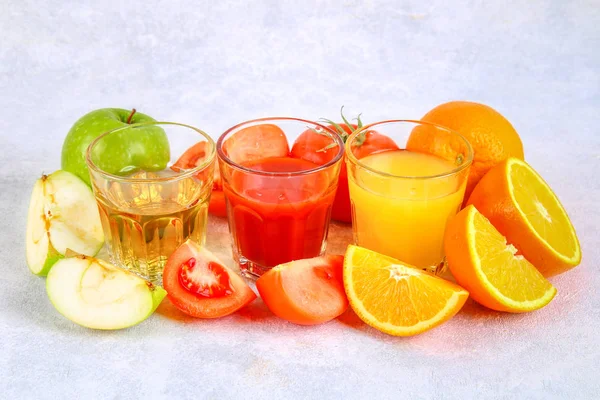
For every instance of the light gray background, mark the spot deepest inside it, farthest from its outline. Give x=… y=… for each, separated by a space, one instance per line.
x=215 y=63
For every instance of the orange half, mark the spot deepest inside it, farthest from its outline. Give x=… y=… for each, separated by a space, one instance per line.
x=490 y=269
x=521 y=205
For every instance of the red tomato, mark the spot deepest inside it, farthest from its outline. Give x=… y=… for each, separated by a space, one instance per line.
x=256 y=142
x=305 y=292
x=200 y=285
x=314 y=146
x=193 y=157
x=374 y=142
x=217 y=205
x=310 y=146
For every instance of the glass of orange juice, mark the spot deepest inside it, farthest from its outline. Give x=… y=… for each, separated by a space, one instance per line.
x=403 y=198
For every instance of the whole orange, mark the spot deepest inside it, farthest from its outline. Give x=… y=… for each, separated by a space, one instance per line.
x=492 y=137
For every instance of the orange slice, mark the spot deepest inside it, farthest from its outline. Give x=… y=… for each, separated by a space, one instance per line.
x=490 y=269
x=397 y=298
x=523 y=208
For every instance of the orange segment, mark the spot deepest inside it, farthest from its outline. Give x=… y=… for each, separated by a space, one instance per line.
x=490 y=269
x=396 y=298
x=523 y=208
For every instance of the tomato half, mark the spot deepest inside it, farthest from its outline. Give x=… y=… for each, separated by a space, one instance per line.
x=305 y=292
x=200 y=285
x=256 y=142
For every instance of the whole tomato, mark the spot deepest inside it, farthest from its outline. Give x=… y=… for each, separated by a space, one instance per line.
x=314 y=146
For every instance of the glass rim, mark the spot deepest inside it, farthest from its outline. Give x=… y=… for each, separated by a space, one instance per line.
x=336 y=138
x=352 y=158
x=187 y=174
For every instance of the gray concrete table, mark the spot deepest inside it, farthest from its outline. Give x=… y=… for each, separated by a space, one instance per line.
x=215 y=63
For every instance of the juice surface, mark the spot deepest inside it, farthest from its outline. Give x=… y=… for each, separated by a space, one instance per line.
x=404 y=218
x=278 y=219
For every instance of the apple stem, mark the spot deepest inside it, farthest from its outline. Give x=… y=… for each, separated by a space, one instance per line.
x=130 y=116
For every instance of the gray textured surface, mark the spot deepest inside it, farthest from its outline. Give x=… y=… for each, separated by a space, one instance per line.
x=215 y=63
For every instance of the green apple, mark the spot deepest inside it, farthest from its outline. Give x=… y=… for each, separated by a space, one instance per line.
x=62 y=215
x=145 y=148
x=96 y=294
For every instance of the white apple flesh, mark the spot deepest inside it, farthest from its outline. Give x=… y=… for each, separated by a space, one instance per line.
x=62 y=215
x=96 y=294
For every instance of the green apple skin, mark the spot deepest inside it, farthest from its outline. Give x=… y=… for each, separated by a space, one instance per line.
x=53 y=257
x=158 y=295
x=98 y=295
x=62 y=217
x=147 y=149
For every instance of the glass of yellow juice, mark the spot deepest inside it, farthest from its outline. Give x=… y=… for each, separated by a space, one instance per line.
x=403 y=197
x=152 y=182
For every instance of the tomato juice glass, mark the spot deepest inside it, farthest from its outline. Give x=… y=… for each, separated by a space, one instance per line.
x=149 y=206
x=278 y=206
x=402 y=199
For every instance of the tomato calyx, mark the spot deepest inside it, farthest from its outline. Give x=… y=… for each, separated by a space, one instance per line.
x=204 y=279
x=341 y=131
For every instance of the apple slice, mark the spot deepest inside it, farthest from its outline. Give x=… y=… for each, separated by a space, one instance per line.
x=96 y=294
x=62 y=214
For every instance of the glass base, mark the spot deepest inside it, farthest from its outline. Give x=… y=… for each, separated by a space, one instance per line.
x=250 y=269
x=437 y=269
x=155 y=277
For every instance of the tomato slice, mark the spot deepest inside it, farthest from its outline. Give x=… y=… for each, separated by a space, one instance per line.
x=200 y=285
x=305 y=292
x=217 y=205
x=256 y=142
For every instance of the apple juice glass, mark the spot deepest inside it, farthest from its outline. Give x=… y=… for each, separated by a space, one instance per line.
x=148 y=211
x=402 y=199
x=278 y=208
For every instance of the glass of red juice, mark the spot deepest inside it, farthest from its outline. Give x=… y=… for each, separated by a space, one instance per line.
x=279 y=178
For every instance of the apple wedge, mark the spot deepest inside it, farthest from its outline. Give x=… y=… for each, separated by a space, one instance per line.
x=96 y=294
x=62 y=214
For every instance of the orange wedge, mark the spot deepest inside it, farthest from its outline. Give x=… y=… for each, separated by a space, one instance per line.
x=490 y=269
x=523 y=208
x=397 y=298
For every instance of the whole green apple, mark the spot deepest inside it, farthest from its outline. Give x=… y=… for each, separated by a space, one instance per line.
x=145 y=148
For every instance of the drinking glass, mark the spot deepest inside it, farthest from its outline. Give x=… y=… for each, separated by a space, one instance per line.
x=402 y=199
x=278 y=203
x=148 y=211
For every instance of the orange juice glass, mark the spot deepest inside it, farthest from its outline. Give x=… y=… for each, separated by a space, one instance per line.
x=402 y=200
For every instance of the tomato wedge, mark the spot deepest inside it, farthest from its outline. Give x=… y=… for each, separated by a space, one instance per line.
x=305 y=292
x=256 y=142
x=200 y=285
